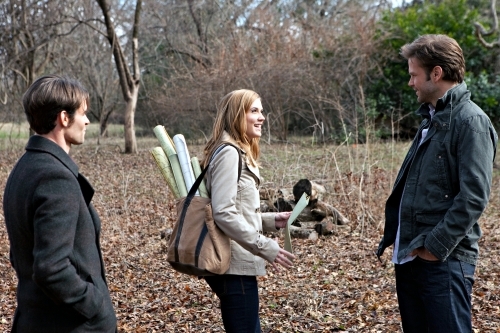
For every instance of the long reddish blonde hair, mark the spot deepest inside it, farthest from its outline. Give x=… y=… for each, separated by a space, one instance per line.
x=231 y=118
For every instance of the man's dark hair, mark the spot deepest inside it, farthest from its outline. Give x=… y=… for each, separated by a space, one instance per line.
x=437 y=50
x=49 y=95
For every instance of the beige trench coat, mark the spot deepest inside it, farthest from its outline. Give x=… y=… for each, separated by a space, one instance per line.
x=236 y=210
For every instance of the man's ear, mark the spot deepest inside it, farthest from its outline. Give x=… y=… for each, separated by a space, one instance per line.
x=436 y=73
x=63 y=118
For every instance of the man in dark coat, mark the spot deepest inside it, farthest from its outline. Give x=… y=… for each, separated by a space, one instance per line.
x=52 y=226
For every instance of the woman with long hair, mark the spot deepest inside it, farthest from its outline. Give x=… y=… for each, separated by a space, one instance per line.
x=236 y=209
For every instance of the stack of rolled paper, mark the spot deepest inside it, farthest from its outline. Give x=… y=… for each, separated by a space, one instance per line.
x=179 y=170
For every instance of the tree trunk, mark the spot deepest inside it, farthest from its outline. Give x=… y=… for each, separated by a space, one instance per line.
x=103 y=127
x=128 y=126
x=129 y=82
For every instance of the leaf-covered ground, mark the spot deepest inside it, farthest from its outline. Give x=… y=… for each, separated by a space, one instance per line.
x=336 y=285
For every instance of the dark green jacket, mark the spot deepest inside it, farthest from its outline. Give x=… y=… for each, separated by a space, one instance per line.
x=446 y=181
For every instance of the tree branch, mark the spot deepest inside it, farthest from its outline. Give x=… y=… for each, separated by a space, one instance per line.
x=121 y=67
x=189 y=55
x=481 y=31
x=135 y=41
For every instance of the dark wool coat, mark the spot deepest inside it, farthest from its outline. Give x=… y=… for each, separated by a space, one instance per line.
x=54 y=245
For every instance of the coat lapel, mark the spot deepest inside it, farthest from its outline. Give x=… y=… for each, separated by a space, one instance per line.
x=86 y=188
x=41 y=144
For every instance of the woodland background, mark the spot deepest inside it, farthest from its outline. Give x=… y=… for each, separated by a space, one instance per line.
x=329 y=70
x=338 y=111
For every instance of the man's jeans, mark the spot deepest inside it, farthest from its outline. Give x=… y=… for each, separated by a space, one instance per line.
x=239 y=302
x=434 y=296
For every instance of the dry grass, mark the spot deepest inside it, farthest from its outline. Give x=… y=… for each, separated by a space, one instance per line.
x=336 y=285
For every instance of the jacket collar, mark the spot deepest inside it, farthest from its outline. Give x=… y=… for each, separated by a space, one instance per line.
x=41 y=144
x=227 y=138
x=445 y=105
x=253 y=169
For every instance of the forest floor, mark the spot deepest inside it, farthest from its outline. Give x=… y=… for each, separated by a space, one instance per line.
x=336 y=285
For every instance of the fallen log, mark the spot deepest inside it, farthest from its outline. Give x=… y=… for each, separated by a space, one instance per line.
x=323 y=227
x=324 y=209
x=303 y=233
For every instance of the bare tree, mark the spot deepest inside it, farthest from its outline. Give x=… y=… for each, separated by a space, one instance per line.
x=96 y=72
x=29 y=31
x=129 y=81
x=310 y=61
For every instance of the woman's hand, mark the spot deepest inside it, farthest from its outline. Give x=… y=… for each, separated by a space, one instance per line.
x=284 y=258
x=281 y=219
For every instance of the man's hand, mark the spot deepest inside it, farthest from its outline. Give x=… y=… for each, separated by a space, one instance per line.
x=425 y=254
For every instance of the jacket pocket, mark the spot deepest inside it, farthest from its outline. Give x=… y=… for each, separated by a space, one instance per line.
x=426 y=222
x=443 y=177
x=105 y=319
x=431 y=219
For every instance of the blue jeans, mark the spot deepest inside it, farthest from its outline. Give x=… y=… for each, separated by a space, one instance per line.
x=239 y=302
x=434 y=296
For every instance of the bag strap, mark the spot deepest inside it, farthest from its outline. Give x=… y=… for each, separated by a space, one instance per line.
x=198 y=181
